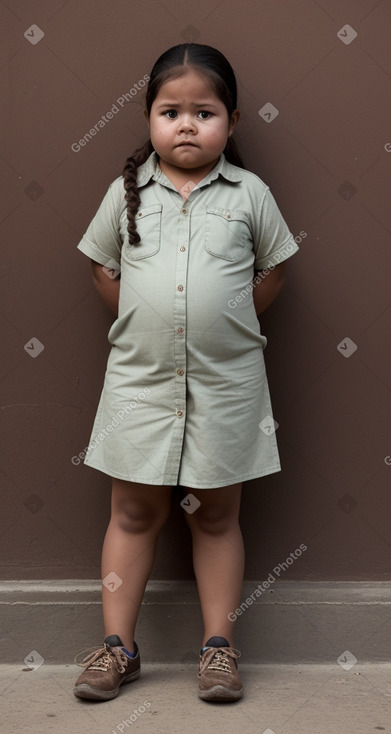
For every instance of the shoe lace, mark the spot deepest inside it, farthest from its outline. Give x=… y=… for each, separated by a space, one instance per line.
x=218 y=658
x=101 y=658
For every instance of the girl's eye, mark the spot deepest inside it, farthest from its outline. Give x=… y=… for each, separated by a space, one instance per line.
x=172 y=114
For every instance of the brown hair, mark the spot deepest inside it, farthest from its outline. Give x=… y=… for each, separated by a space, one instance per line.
x=170 y=65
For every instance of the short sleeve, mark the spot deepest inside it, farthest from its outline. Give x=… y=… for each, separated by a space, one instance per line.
x=102 y=241
x=273 y=241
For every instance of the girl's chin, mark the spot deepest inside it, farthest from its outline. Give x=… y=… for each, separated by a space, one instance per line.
x=184 y=159
x=188 y=158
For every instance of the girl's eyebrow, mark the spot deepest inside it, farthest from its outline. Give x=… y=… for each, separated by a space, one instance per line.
x=195 y=104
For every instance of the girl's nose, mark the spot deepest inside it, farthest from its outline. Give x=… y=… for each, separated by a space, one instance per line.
x=186 y=123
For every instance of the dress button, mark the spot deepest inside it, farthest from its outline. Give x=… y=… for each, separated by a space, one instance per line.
x=180 y=288
x=182 y=249
x=184 y=211
x=228 y=215
x=179 y=414
x=180 y=372
x=179 y=330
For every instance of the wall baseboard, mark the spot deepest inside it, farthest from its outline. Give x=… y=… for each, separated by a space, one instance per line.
x=287 y=622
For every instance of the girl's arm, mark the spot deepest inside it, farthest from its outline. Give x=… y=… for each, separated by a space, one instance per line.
x=108 y=288
x=267 y=285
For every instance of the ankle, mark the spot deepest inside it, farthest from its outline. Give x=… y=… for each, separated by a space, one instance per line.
x=127 y=642
x=130 y=648
x=216 y=638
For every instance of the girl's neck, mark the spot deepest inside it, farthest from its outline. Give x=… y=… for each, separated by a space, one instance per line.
x=181 y=176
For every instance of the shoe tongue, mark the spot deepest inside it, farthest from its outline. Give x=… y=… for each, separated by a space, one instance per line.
x=216 y=642
x=113 y=641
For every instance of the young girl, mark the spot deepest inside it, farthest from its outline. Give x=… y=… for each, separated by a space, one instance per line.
x=200 y=245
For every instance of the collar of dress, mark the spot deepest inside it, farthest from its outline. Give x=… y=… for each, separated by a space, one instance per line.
x=151 y=169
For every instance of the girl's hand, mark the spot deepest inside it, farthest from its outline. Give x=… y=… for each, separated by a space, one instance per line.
x=267 y=286
x=107 y=287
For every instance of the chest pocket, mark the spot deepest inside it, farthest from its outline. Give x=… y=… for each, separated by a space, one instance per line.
x=227 y=233
x=149 y=224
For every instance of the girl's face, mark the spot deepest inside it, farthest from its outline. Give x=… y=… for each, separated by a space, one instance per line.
x=189 y=125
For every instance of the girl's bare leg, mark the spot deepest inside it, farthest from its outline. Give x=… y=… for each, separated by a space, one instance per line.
x=138 y=512
x=218 y=556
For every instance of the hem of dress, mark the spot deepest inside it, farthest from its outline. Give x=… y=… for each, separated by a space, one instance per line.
x=175 y=480
x=127 y=478
x=234 y=480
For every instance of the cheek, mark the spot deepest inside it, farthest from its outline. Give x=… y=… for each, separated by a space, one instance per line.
x=217 y=134
x=157 y=131
x=161 y=127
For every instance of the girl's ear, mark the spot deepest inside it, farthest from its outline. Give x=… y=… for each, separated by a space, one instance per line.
x=235 y=117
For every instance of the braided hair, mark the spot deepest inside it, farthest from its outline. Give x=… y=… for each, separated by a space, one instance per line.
x=171 y=65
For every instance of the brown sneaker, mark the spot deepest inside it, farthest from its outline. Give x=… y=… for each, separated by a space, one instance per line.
x=218 y=672
x=106 y=669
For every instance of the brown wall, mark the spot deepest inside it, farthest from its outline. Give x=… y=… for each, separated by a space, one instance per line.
x=326 y=157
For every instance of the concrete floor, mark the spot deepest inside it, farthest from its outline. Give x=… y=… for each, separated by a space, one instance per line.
x=279 y=699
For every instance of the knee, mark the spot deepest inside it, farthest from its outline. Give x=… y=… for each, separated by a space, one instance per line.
x=140 y=517
x=215 y=520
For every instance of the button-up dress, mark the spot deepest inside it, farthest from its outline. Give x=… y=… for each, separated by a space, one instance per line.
x=185 y=398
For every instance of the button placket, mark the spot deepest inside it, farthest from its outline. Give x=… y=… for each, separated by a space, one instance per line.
x=180 y=299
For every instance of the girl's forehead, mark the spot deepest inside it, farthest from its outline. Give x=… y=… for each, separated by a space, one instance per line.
x=192 y=82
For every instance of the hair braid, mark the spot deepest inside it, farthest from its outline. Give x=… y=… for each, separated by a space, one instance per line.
x=132 y=196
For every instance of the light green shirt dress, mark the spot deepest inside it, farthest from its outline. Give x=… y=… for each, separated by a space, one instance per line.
x=185 y=398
